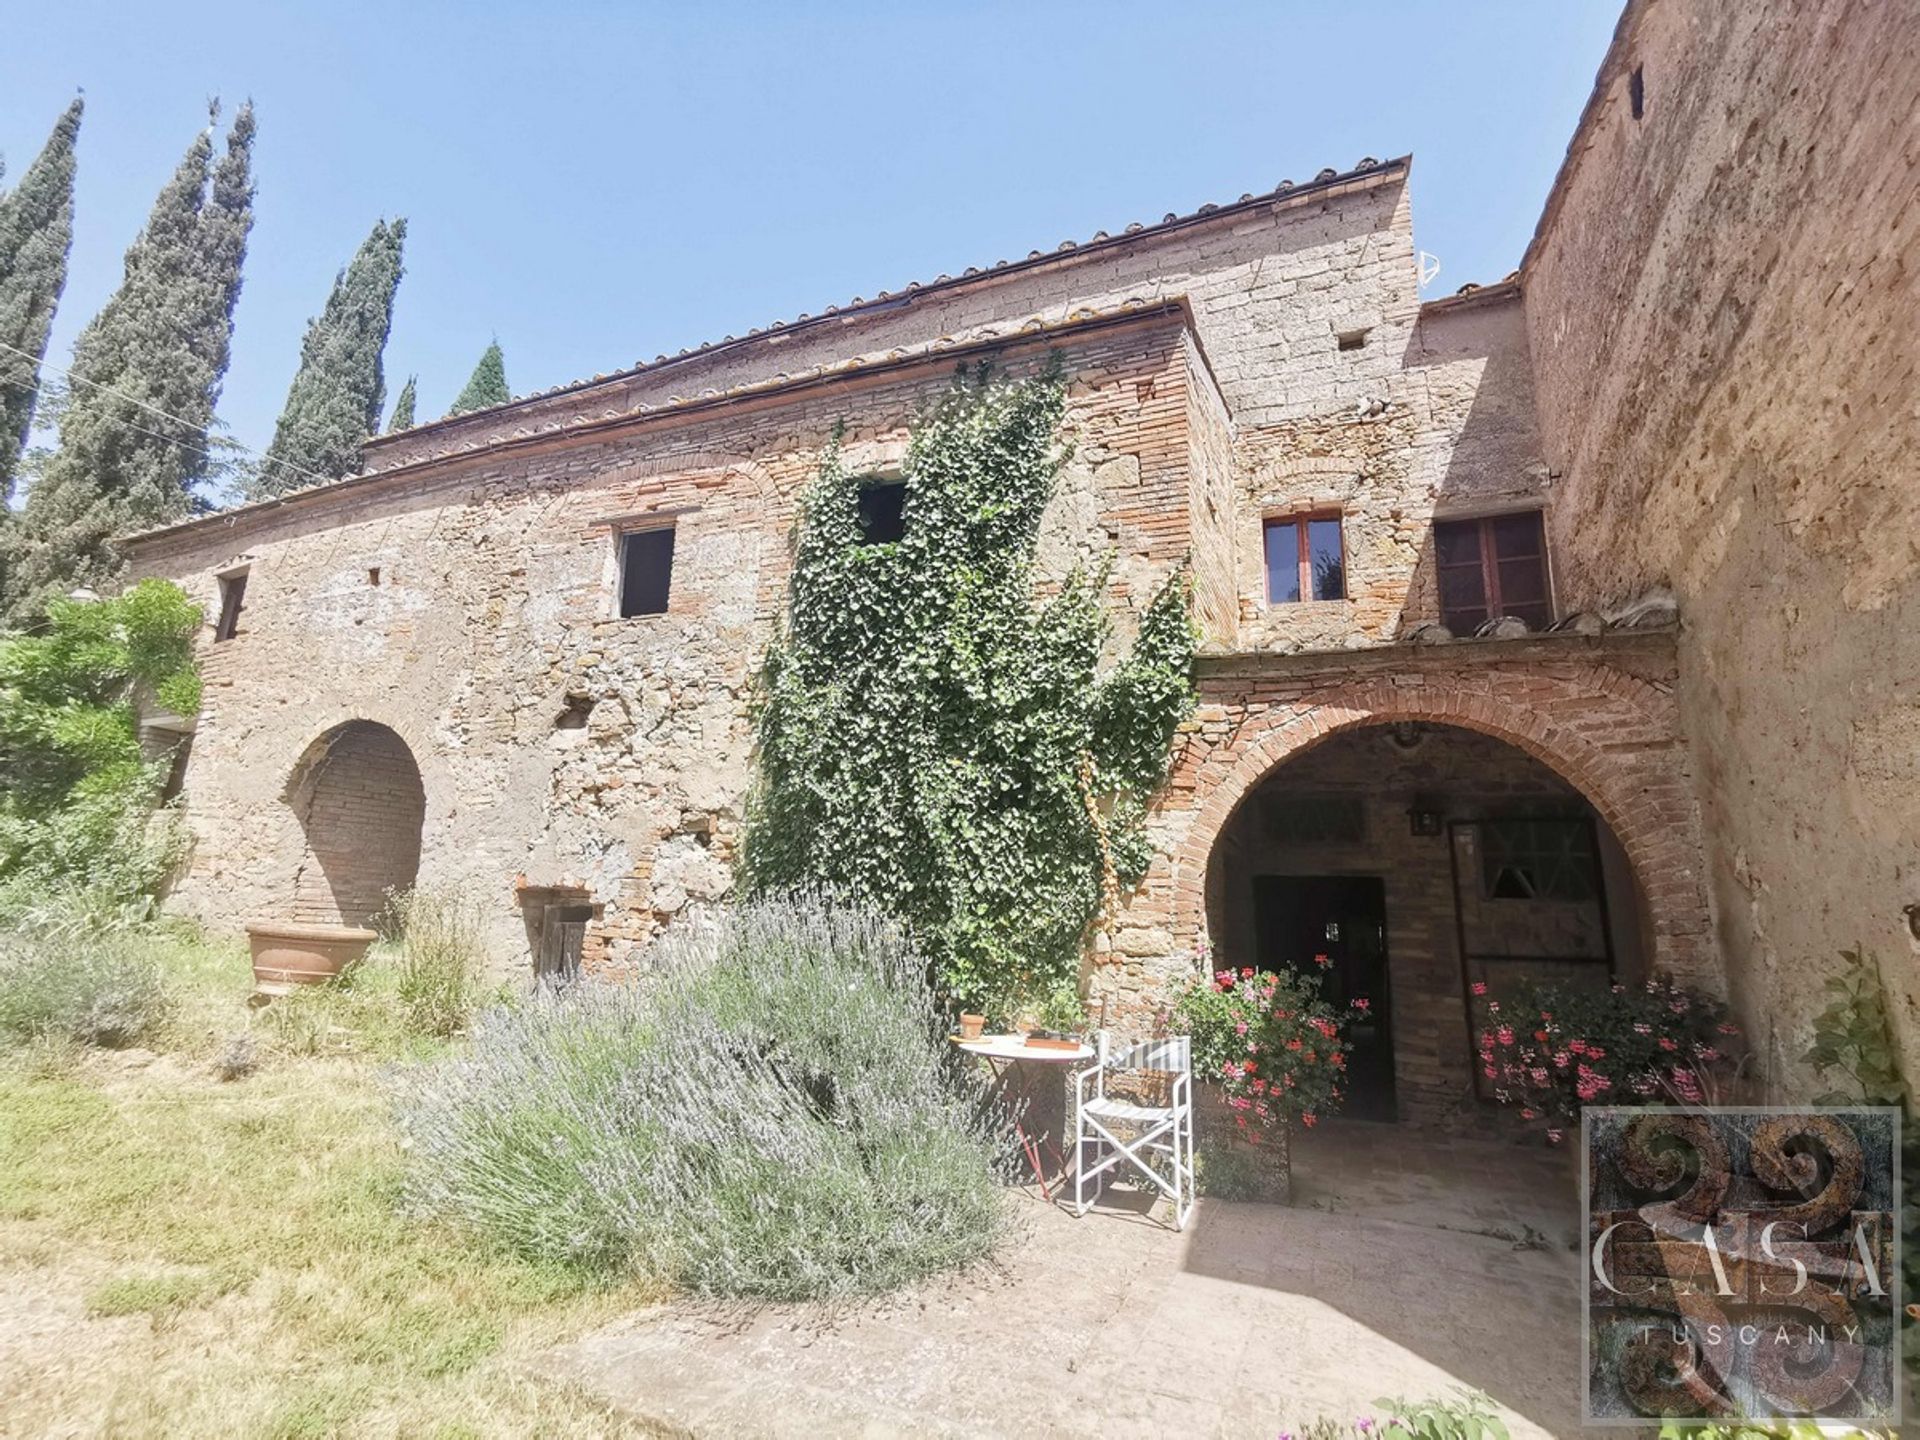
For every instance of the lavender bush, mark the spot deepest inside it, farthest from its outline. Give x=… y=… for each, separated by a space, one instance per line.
x=105 y=990
x=775 y=1113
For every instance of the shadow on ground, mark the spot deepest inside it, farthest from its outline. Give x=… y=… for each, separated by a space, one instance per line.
x=1409 y=1265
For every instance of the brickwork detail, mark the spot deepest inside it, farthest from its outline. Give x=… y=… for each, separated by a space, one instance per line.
x=1599 y=714
x=360 y=805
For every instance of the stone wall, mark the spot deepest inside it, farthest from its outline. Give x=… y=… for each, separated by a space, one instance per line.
x=1267 y=357
x=474 y=616
x=1725 y=323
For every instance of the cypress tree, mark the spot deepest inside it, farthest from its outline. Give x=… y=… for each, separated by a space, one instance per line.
x=340 y=388
x=146 y=373
x=487 y=386
x=403 y=408
x=36 y=232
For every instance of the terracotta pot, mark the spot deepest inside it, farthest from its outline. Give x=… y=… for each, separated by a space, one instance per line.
x=286 y=955
x=971 y=1026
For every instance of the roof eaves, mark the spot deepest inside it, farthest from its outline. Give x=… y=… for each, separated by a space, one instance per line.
x=946 y=348
x=1365 y=174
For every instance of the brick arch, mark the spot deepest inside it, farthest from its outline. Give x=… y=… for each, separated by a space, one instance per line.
x=1636 y=784
x=361 y=805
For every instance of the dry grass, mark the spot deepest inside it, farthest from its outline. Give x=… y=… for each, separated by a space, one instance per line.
x=226 y=1256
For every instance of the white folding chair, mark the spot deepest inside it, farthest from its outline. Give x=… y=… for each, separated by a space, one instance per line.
x=1160 y=1143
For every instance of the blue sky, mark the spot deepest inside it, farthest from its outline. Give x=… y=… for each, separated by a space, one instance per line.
x=597 y=183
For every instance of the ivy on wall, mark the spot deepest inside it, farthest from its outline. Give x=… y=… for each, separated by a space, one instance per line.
x=937 y=742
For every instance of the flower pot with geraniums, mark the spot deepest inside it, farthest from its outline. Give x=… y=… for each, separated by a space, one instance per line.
x=1547 y=1051
x=1269 y=1050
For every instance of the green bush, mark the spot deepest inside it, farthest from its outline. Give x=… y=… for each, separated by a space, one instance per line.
x=79 y=839
x=774 y=1113
x=102 y=991
x=442 y=957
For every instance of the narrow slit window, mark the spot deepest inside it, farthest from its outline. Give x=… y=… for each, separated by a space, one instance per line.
x=646 y=571
x=1492 y=567
x=1637 y=91
x=1306 y=559
x=883 y=512
x=233 y=590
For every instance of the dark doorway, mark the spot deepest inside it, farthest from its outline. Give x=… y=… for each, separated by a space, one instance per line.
x=1300 y=918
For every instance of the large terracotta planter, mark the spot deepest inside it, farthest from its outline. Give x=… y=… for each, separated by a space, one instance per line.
x=286 y=955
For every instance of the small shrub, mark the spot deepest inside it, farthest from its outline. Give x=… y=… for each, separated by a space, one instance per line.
x=1466 y=1415
x=237 y=1060
x=776 y=1114
x=442 y=957
x=106 y=991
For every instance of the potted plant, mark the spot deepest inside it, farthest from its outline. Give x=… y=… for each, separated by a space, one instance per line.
x=1268 y=1050
x=1549 y=1050
x=286 y=954
x=1058 y=1019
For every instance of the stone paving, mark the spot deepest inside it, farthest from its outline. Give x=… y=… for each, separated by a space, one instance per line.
x=1409 y=1265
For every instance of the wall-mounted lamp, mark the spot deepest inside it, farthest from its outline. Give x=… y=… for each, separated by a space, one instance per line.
x=1424 y=818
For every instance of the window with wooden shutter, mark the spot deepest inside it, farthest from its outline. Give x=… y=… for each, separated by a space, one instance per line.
x=1492 y=566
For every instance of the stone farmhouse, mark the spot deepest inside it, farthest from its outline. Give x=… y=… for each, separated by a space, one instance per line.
x=1564 y=624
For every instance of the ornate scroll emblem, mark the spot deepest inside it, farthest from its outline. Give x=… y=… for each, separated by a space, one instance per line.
x=1742 y=1262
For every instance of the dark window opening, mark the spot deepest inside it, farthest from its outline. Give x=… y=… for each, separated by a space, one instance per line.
x=646 y=572
x=1306 y=559
x=1353 y=340
x=1288 y=818
x=579 y=709
x=177 y=769
x=883 y=513
x=233 y=590
x=1538 y=860
x=1637 y=92
x=373 y=575
x=1492 y=567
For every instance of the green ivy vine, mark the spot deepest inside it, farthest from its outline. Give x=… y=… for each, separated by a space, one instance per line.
x=934 y=740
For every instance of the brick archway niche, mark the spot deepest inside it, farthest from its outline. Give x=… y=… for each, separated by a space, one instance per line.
x=1599 y=713
x=357 y=794
x=1608 y=732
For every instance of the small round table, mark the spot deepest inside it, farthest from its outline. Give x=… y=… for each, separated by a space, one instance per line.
x=1001 y=1052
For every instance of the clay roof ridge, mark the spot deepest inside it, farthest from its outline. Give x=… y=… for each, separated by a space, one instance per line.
x=883 y=300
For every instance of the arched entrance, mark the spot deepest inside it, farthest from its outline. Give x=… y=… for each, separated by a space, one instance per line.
x=1598 y=715
x=360 y=803
x=1401 y=864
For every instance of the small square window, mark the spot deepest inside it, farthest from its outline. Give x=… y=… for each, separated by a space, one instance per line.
x=1306 y=559
x=233 y=591
x=883 y=512
x=1352 y=339
x=646 y=571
